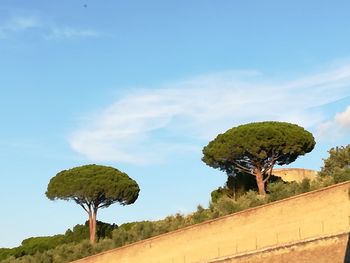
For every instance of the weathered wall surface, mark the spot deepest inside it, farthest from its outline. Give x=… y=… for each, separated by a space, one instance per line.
x=320 y=250
x=294 y=174
x=315 y=214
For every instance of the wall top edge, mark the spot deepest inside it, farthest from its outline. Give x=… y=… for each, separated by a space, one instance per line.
x=340 y=185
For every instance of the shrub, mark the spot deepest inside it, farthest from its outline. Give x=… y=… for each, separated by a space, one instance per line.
x=342 y=175
x=279 y=190
x=225 y=206
x=200 y=215
x=251 y=199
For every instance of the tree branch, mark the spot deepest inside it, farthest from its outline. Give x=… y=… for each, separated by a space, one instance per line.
x=81 y=203
x=270 y=171
x=242 y=168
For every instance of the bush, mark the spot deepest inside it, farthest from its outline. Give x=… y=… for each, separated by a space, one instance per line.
x=224 y=206
x=251 y=199
x=305 y=185
x=339 y=158
x=200 y=215
x=5 y=253
x=341 y=175
x=280 y=190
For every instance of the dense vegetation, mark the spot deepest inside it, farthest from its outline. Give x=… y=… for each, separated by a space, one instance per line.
x=38 y=245
x=74 y=244
x=240 y=192
x=338 y=161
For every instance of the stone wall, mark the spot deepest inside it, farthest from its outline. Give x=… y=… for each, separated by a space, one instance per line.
x=316 y=250
x=312 y=215
x=294 y=174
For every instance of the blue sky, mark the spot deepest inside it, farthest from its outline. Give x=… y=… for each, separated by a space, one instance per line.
x=144 y=85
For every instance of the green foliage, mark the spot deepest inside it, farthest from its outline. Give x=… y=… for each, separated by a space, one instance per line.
x=337 y=165
x=99 y=184
x=238 y=185
x=132 y=232
x=255 y=148
x=337 y=162
x=104 y=230
x=305 y=185
x=342 y=175
x=200 y=215
x=280 y=190
x=79 y=232
x=93 y=187
x=103 y=245
x=219 y=193
x=225 y=205
x=251 y=199
x=135 y=231
x=32 y=245
x=5 y=253
x=257 y=143
x=74 y=245
x=321 y=182
x=37 y=245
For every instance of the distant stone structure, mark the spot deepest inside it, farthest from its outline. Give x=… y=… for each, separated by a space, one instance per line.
x=294 y=174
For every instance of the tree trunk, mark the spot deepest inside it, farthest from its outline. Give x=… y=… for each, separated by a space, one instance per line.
x=93 y=234
x=92 y=225
x=260 y=182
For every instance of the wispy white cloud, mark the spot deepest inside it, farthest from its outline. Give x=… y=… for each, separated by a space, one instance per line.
x=69 y=32
x=150 y=124
x=22 y=23
x=343 y=118
x=18 y=24
x=336 y=127
x=50 y=31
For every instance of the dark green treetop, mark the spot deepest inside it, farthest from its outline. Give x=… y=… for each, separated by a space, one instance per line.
x=97 y=184
x=255 y=148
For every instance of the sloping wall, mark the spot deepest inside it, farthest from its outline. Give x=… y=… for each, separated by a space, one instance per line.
x=316 y=250
x=316 y=214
